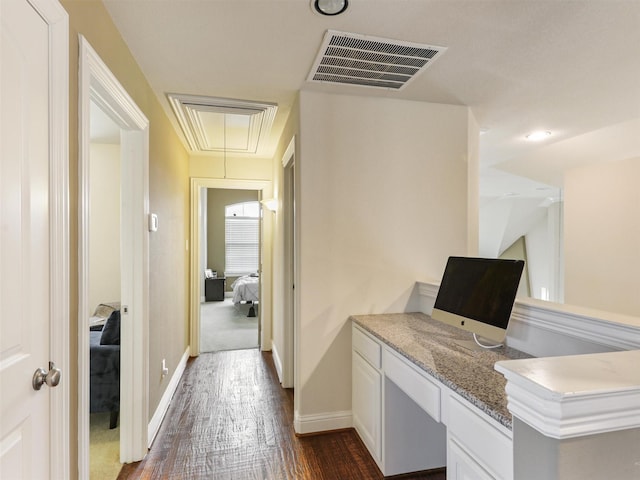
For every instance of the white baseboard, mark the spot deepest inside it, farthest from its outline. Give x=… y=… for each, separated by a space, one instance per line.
x=163 y=406
x=322 y=422
x=277 y=362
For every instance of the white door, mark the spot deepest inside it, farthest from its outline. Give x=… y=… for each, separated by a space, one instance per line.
x=29 y=239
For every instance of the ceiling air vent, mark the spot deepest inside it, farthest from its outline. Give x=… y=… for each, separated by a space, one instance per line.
x=370 y=61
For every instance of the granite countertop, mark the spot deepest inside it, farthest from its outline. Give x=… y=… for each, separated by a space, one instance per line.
x=431 y=345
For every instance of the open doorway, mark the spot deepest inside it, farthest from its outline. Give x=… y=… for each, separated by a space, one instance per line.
x=286 y=372
x=230 y=258
x=104 y=290
x=103 y=101
x=199 y=258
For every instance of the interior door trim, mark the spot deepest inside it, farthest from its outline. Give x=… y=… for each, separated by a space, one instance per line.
x=97 y=83
x=58 y=21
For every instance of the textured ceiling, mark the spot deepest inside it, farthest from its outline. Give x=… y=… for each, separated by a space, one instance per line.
x=571 y=67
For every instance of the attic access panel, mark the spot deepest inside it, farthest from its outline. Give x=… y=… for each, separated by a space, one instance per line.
x=213 y=124
x=366 y=61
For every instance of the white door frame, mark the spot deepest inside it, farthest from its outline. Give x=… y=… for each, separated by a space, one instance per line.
x=196 y=271
x=289 y=260
x=98 y=84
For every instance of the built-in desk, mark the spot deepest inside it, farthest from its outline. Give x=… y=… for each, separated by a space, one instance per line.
x=420 y=401
x=440 y=404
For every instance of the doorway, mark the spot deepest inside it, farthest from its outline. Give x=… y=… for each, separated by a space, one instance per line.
x=230 y=261
x=99 y=87
x=287 y=375
x=198 y=255
x=104 y=289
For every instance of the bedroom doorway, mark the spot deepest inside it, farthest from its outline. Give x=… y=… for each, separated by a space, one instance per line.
x=230 y=258
x=104 y=102
x=104 y=290
x=200 y=199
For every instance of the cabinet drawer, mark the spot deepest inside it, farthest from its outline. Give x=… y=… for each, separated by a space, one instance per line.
x=421 y=390
x=481 y=440
x=366 y=346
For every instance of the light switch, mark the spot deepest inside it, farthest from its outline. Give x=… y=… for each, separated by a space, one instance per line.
x=153 y=222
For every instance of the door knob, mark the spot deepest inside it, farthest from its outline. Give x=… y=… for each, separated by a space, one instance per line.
x=41 y=376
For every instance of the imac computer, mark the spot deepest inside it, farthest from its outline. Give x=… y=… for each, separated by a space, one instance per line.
x=477 y=295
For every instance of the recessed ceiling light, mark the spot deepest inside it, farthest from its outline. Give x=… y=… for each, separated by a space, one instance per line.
x=537 y=136
x=330 y=7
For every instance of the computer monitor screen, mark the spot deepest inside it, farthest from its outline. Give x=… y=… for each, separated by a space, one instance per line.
x=477 y=294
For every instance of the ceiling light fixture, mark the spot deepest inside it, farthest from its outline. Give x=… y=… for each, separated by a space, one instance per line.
x=537 y=136
x=330 y=7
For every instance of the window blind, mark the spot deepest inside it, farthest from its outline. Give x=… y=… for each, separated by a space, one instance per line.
x=241 y=245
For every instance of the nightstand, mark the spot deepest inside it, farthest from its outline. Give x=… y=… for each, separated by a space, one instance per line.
x=214 y=289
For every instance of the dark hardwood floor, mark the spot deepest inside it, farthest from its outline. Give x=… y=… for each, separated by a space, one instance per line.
x=230 y=419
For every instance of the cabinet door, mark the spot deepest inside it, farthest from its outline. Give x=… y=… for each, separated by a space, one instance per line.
x=366 y=404
x=481 y=438
x=460 y=466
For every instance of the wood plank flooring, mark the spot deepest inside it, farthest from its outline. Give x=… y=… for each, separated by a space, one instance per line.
x=230 y=419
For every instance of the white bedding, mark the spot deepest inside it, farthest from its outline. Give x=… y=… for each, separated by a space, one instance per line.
x=245 y=289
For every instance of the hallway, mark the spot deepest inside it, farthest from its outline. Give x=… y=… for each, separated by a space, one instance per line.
x=230 y=419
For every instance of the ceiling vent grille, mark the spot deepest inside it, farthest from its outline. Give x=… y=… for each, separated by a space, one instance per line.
x=370 y=61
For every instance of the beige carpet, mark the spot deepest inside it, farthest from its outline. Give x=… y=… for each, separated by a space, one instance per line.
x=225 y=326
x=104 y=448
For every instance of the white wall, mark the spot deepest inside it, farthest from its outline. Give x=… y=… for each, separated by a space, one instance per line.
x=383 y=202
x=602 y=225
x=544 y=254
x=104 y=219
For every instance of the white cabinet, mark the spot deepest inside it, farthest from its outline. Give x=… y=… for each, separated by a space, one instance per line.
x=477 y=447
x=460 y=466
x=366 y=404
x=411 y=421
x=366 y=392
x=366 y=346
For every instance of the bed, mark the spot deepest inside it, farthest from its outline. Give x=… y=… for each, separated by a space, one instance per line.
x=245 y=289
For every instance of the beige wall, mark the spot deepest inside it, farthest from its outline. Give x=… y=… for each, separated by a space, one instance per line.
x=168 y=185
x=383 y=203
x=602 y=236
x=236 y=167
x=104 y=220
x=217 y=199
